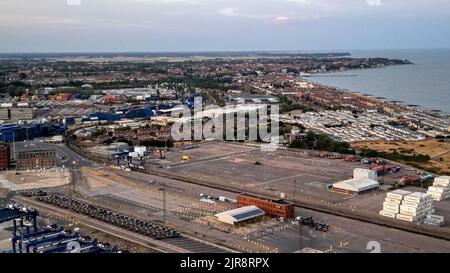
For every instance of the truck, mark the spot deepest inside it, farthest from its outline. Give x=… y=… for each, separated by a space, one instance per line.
x=351 y=158
x=426 y=177
x=408 y=181
x=309 y=222
x=379 y=169
x=393 y=169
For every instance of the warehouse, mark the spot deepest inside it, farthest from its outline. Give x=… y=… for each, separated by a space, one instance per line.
x=22 y=113
x=38 y=159
x=272 y=207
x=364 y=180
x=240 y=215
x=356 y=186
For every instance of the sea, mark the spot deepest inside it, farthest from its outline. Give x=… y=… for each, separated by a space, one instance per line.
x=426 y=83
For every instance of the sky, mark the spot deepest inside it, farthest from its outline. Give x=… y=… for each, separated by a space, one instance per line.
x=221 y=25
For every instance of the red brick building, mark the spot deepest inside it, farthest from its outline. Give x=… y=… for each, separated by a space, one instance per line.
x=272 y=207
x=5 y=156
x=38 y=159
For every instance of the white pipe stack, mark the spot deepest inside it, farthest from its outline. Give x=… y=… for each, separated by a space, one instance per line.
x=411 y=207
x=415 y=207
x=434 y=220
x=392 y=202
x=440 y=189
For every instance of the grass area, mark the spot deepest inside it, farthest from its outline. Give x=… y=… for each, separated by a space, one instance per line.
x=406 y=152
x=322 y=142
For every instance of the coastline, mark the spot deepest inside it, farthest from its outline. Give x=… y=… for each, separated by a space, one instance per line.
x=399 y=105
x=401 y=86
x=402 y=105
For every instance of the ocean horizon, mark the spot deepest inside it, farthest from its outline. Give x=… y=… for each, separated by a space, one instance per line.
x=425 y=83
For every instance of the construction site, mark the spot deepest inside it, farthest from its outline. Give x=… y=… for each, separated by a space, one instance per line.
x=34 y=179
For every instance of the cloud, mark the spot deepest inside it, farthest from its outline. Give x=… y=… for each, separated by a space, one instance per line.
x=203 y=24
x=374 y=3
x=281 y=19
x=229 y=12
x=73 y=2
x=306 y=2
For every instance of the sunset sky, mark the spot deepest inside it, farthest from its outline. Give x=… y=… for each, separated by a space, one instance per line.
x=221 y=25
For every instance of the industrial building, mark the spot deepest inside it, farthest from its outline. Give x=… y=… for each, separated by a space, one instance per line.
x=363 y=181
x=13 y=111
x=20 y=132
x=106 y=118
x=253 y=99
x=107 y=152
x=5 y=155
x=272 y=207
x=240 y=215
x=4 y=114
x=22 y=113
x=38 y=159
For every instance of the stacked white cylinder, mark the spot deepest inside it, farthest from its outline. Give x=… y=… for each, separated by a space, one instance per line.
x=440 y=189
x=392 y=202
x=415 y=207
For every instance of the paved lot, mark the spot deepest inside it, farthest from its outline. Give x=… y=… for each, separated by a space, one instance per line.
x=354 y=234
x=274 y=173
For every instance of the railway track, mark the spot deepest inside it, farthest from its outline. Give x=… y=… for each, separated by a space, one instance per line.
x=354 y=215
x=169 y=244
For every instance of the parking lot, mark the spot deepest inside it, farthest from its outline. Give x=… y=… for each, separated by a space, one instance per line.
x=270 y=173
x=205 y=151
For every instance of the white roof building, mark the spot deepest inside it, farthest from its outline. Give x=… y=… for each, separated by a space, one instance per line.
x=356 y=185
x=235 y=216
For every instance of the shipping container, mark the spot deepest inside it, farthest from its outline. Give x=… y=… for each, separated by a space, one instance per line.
x=388 y=214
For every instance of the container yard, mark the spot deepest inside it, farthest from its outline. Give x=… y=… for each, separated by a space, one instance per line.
x=21 y=132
